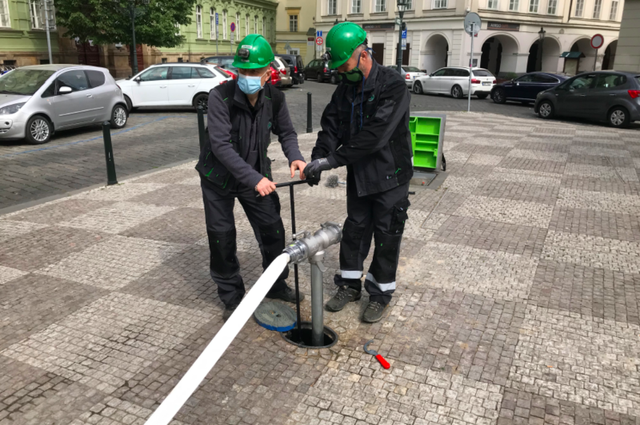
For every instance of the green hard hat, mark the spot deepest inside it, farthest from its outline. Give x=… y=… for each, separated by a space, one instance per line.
x=254 y=51
x=342 y=41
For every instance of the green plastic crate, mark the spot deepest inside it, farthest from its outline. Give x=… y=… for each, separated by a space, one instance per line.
x=425 y=141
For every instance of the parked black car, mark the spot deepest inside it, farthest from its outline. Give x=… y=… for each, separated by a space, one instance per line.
x=319 y=69
x=606 y=95
x=297 y=67
x=526 y=87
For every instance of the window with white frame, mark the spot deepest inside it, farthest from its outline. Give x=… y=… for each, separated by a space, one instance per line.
x=199 y=21
x=514 y=5
x=597 y=7
x=177 y=29
x=293 y=23
x=212 y=23
x=612 y=16
x=380 y=6
x=36 y=7
x=440 y=4
x=224 y=24
x=5 y=20
x=409 y=5
x=552 y=7
x=332 y=7
x=255 y=25
x=246 y=25
x=533 y=6
x=579 y=8
x=264 y=24
x=492 y=4
x=356 y=6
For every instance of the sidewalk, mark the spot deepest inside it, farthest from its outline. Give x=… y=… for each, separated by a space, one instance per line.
x=517 y=300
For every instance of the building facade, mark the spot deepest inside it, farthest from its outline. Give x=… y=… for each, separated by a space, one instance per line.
x=23 y=38
x=628 y=55
x=201 y=39
x=295 y=32
x=508 y=43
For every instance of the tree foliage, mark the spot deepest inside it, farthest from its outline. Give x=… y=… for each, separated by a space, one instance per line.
x=109 y=21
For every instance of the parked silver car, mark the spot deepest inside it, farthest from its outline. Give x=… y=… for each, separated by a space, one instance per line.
x=36 y=101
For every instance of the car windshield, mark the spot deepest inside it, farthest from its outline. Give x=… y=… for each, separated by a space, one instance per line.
x=410 y=69
x=23 y=81
x=482 y=73
x=638 y=78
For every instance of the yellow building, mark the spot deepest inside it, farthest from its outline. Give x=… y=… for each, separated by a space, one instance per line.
x=295 y=33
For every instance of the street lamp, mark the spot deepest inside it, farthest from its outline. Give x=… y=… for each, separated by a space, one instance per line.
x=133 y=12
x=402 y=5
x=541 y=34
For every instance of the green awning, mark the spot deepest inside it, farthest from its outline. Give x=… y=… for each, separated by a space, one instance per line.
x=572 y=55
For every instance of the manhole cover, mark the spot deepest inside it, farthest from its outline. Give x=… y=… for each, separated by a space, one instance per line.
x=275 y=316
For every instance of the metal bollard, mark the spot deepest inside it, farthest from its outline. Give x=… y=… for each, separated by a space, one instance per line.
x=202 y=134
x=108 y=152
x=309 y=118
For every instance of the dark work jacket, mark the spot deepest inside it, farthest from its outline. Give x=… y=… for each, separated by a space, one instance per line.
x=235 y=155
x=379 y=155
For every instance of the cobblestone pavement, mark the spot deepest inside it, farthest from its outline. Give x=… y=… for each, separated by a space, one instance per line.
x=154 y=138
x=519 y=286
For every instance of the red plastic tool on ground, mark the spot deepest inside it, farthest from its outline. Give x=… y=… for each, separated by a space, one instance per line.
x=385 y=364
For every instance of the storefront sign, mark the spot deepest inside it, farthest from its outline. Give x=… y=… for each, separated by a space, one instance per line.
x=378 y=27
x=503 y=26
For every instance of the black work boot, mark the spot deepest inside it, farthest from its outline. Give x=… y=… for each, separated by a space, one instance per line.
x=373 y=312
x=287 y=294
x=228 y=311
x=343 y=297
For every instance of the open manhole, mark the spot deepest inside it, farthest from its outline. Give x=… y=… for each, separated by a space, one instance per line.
x=302 y=337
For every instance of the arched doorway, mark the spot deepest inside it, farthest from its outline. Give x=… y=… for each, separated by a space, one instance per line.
x=436 y=54
x=499 y=54
x=550 y=56
x=610 y=55
x=585 y=63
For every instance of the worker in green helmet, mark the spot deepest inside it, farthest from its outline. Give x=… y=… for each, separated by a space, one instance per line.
x=365 y=127
x=234 y=165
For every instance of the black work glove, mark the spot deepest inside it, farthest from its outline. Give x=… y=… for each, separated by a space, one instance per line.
x=313 y=170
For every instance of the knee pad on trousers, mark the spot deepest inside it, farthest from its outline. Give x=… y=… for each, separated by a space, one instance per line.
x=223 y=262
x=385 y=258
x=272 y=240
x=350 y=245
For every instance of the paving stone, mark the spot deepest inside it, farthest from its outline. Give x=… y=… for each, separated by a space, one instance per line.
x=589 y=291
x=527 y=192
x=525 y=176
x=506 y=211
x=532 y=165
x=611 y=225
x=11 y=229
x=602 y=172
x=182 y=226
x=8 y=274
x=578 y=358
x=599 y=201
x=121 y=192
x=114 y=263
x=538 y=155
x=56 y=212
x=106 y=342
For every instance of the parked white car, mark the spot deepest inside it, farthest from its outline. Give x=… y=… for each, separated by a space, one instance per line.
x=410 y=74
x=171 y=84
x=454 y=81
x=286 y=80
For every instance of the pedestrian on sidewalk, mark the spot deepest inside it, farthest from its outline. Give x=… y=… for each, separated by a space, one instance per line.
x=234 y=165
x=365 y=127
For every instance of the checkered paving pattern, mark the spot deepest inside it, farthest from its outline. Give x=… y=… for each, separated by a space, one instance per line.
x=518 y=297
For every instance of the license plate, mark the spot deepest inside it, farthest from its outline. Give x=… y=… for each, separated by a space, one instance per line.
x=486 y=83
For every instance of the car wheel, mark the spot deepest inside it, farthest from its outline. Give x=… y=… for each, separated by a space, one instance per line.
x=545 y=109
x=201 y=100
x=619 y=117
x=456 y=91
x=320 y=78
x=498 y=96
x=118 y=116
x=482 y=95
x=334 y=79
x=417 y=87
x=130 y=106
x=305 y=77
x=39 y=130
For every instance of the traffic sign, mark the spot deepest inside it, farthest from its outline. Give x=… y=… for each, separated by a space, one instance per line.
x=472 y=20
x=216 y=18
x=233 y=26
x=319 y=41
x=597 y=41
x=404 y=34
x=318 y=33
